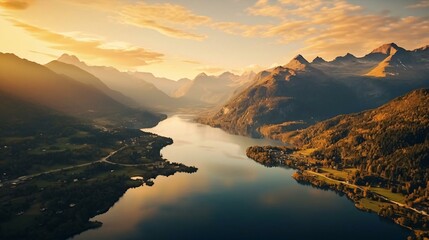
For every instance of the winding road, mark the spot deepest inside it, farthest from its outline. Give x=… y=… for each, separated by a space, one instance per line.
x=377 y=194
x=103 y=159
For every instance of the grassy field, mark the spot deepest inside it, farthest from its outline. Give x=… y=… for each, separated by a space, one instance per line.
x=397 y=197
x=306 y=152
x=343 y=174
x=372 y=205
x=323 y=179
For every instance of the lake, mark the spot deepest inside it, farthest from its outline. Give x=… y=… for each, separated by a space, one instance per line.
x=231 y=197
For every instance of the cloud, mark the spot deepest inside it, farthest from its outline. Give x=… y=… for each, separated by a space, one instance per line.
x=191 y=62
x=168 y=19
x=321 y=27
x=97 y=49
x=15 y=4
x=46 y=54
x=171 y=20
x=244 y=30
x=211 y=70
x=420 y=4
x=327 y=28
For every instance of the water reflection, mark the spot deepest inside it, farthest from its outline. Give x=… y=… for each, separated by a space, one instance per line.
x=231 y=197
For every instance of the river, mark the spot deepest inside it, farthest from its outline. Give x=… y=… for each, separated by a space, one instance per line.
x=231 y=197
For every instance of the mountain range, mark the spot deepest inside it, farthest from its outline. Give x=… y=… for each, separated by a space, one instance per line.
x=163 y=94
x=212 y=90
x=301 y=93
x=86 y=98
x=166 y=85
x=80 y=75
x=143 y=93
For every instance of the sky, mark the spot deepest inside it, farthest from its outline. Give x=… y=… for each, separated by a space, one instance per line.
x=182 y=38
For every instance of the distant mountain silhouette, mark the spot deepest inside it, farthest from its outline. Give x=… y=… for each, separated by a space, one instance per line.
x=399 y=63
x=212 y=89
x=294 y=92
x=318 y=60
x=39 y=85
x=166 y=85
x=302 y=93
x=145 y=94
x=83 y=76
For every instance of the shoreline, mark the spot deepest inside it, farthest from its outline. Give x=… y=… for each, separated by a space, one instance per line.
x=363 y=197
x=65 y=200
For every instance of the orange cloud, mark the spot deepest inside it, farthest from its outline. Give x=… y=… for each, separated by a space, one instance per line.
x=15 y=4
x=322 y=27
x=327 y=28
x=46 y=54
x=244 y=30
x=191 y=62
x=168 y=19
x=420 y=4
x=127 y=57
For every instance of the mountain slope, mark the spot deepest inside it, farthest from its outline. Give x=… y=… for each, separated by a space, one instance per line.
x=145 y=94
x=296 y=92
x=387 y=60
x=37 y=84
x=80 y=75
x=390 y=142
x=208 y=89
x=300 y=93
x=400 y=63
x=380 y=53
x=212 y=90
x=166 y=85
x=18 y=116
x=380 y=126
x=380 y=155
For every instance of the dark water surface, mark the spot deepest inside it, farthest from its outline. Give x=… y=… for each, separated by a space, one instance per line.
x=231 y=197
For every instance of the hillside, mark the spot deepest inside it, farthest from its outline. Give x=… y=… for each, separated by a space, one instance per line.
x=379 y=158
x=300 y=93
x=166 y=85
x=211 y=90
x=296 y=92
x=54 y=172
x=18 y=117
x=400 y=63
x=390 y=142
x=37 y=84
x=24 y=126
x=80 y=75
x=143 y=93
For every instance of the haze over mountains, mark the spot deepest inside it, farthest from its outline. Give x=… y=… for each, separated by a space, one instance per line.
x=36 y=84
x=166 y=85
x=212 y=89
x=300 y=93
x=80 y=75
x=286 y=97
x=143 y=93
x=164 y=94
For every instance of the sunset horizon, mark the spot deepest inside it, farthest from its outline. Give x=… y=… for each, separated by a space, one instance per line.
x=182 y=39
